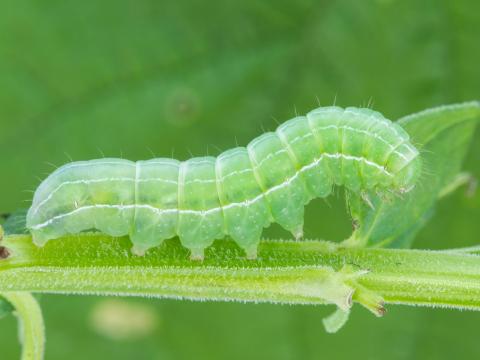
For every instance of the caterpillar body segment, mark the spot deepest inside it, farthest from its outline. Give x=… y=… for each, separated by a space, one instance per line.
x=236 y=194
x=238 y=184
x=95 y=194
x=156 y=187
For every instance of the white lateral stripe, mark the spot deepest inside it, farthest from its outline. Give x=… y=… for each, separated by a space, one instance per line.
x=245 y=203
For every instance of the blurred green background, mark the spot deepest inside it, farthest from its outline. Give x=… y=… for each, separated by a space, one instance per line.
x=138 y=79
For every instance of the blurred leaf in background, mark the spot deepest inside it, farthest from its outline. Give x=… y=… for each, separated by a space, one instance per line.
x=140 y=79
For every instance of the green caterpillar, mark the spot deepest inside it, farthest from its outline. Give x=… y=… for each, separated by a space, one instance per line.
x=236 y=194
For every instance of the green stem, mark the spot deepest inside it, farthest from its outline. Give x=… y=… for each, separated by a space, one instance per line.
x=32 y=331
x=307 y=272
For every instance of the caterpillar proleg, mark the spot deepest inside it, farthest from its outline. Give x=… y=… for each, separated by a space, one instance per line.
x=237 y=194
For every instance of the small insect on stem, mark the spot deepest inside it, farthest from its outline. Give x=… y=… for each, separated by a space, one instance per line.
x=236 y=194
x=4 y=253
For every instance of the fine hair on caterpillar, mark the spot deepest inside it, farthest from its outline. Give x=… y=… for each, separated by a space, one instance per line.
x=236 y=194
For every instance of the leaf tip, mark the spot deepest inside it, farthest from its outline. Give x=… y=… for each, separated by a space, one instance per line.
x=336 y=321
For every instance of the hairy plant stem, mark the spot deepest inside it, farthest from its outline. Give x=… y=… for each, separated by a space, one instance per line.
x=304 y=272
x=30 y=322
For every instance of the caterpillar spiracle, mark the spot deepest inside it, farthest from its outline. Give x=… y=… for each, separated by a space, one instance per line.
x=236 y=194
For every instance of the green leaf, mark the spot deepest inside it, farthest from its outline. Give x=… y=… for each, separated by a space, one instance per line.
x=442 y=135
x=5 y=307
x=16 y=223
x=336 y=320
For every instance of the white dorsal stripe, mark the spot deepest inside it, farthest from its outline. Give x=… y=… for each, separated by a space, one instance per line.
x=89 y=163
x=378 y=118
x=205 y=212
